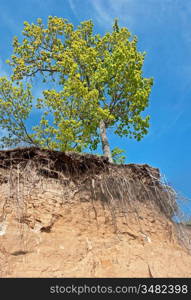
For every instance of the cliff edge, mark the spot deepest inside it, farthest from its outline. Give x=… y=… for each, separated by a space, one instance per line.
x=77 y=215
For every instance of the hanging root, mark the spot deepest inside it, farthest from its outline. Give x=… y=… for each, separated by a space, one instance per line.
x=30 y=172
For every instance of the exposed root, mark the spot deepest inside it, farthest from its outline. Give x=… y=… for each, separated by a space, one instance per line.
x=29 y=172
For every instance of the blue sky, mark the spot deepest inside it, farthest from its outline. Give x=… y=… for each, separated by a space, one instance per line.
x=163 y=28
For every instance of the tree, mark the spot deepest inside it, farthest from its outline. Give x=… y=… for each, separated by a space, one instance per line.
x=99 y=84
x=15 y=104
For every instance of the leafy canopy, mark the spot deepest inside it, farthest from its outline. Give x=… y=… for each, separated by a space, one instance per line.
x=96 y=78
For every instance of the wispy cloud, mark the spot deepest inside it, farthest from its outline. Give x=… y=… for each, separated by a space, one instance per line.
x=73 y=7
x=106 y=11
x=103 y=16
x=132 y=12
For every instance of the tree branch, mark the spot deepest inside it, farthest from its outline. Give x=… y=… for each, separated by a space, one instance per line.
x=41 y=70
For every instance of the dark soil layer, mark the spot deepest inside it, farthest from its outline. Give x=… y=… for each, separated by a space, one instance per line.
x=111 y=183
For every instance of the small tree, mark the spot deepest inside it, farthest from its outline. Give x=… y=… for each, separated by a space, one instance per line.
x=117 y=156
x=99 y=84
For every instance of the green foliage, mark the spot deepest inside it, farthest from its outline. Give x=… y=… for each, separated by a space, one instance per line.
x=15 y=106
x=117 y=156
x=97 y=78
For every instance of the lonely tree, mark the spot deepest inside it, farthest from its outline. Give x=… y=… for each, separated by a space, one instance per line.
x=98 y=84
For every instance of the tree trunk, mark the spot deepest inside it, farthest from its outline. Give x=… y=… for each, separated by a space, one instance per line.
x=104 y=141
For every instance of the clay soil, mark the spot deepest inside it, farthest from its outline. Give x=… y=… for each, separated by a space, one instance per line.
x=74 y=215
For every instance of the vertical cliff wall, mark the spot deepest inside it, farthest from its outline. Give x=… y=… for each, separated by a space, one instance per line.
x=76 y=215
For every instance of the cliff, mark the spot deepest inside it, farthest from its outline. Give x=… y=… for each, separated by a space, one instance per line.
x=77 y=215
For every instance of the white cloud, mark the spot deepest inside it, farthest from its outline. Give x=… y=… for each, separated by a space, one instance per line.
x=72 y=6
x=106 y=11
x=103 y=15
x=132 y=12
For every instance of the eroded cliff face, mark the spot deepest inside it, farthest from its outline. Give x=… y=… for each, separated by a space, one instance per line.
x=70 y=215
